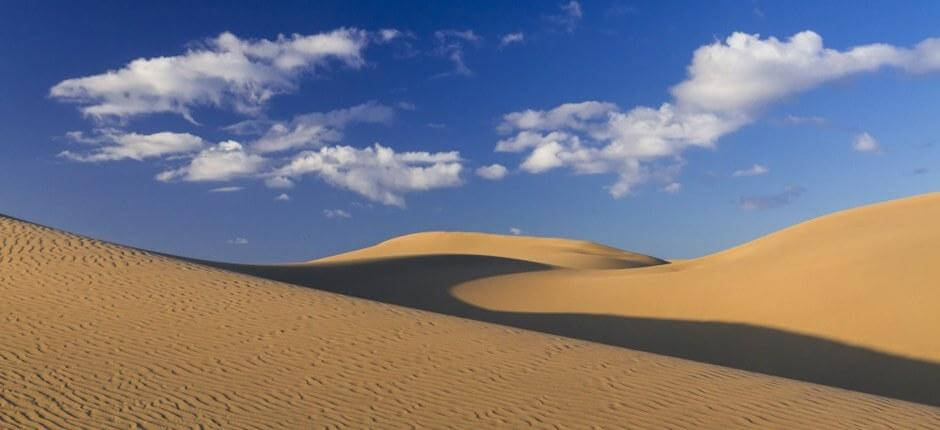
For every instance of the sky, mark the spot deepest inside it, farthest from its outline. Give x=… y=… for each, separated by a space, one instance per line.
x=287 y=131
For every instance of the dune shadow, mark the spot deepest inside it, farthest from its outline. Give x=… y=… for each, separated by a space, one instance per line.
x=424 y=282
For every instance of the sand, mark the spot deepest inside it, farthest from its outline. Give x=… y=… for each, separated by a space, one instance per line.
x=102 y=336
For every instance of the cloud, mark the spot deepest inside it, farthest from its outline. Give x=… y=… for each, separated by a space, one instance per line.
x=278 y=182
x=800 y=120
x=673 y=188
x=729 y=84
x=222 y=162
x=450 y=45
x=493 y=172
x=865 y=143
x=569 y=17
x=406 y=106
x=237 y=241
x=336 y=213
x=317 y=129
x=755 y=170
x=509 y=39
x=772 y=201
x=437 y=125
x=224 y=71
x=112 y=145
x=283 y=197
x=226 y=189
x=515 y=230
x=377 y=173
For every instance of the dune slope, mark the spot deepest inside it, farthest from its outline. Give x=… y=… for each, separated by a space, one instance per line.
x=868 y=277
x=101 y=336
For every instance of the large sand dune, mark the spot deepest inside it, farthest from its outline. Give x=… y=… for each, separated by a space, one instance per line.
x=848 y=300
x=102 y=336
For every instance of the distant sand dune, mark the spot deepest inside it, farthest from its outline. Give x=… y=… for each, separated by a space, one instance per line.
x=102 y=336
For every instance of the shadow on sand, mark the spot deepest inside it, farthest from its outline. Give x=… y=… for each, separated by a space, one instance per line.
x=424 y=282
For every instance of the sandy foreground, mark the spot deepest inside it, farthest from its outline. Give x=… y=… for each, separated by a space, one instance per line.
x=97 y=335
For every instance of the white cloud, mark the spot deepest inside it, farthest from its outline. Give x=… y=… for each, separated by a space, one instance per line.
x=515 y=230
x=278 y=182
x=729 y=83
x=450 y=45
x=569 y=17
x=493 y=172
x=755 y=170
x=225 y=161
x=509 y=39
x=226 y=189
x=406 y=106
x=283 y=197
x=437 y=125
x=317 y=129
x=378 y=173
x=336 y=213
x=673 y=188
x=800 y=120
x=225 y=71
x=865 y=143
x=237 y=241
x=112 y=145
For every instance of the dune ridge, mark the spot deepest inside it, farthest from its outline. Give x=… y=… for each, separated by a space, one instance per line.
x=102 y=336
x=560 y=253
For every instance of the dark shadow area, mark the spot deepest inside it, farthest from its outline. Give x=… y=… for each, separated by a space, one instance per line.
x=424 y=282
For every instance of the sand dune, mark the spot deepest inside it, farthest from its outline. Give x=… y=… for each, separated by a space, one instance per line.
x=868 y=277
x=101 y=336
x=560 y=253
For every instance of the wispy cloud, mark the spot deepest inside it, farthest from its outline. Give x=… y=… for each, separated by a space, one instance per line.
x=569 y=16
x=283 y=197
x=336 y=213
x=755 y=170
x=515 y=231
x=511 y=38
x=226 y=189
x=237 y=241
x=771 y=201
x=451 y=44
x=112 y=145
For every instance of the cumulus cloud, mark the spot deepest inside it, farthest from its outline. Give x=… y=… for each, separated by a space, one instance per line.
x=450 y=45
x=865 y=143
x=569 y=17
x=515 y=230
x=755 y=170
x=729 y=83
x=509 y=39
x=226 y=189
x=336 y=213
x=225 y=71
x=222 y=162
x=317 y=129
x=772 y=201
x=278 y=182
x=112 y=145
x=377 y=173
x=493 y=172
x=283 y=197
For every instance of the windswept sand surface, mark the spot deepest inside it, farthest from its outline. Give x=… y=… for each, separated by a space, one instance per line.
x=101 y=336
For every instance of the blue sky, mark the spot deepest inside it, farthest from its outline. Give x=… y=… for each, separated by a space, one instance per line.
x=675 y=129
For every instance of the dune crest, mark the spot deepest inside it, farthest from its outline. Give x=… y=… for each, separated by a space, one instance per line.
x=560 y=253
